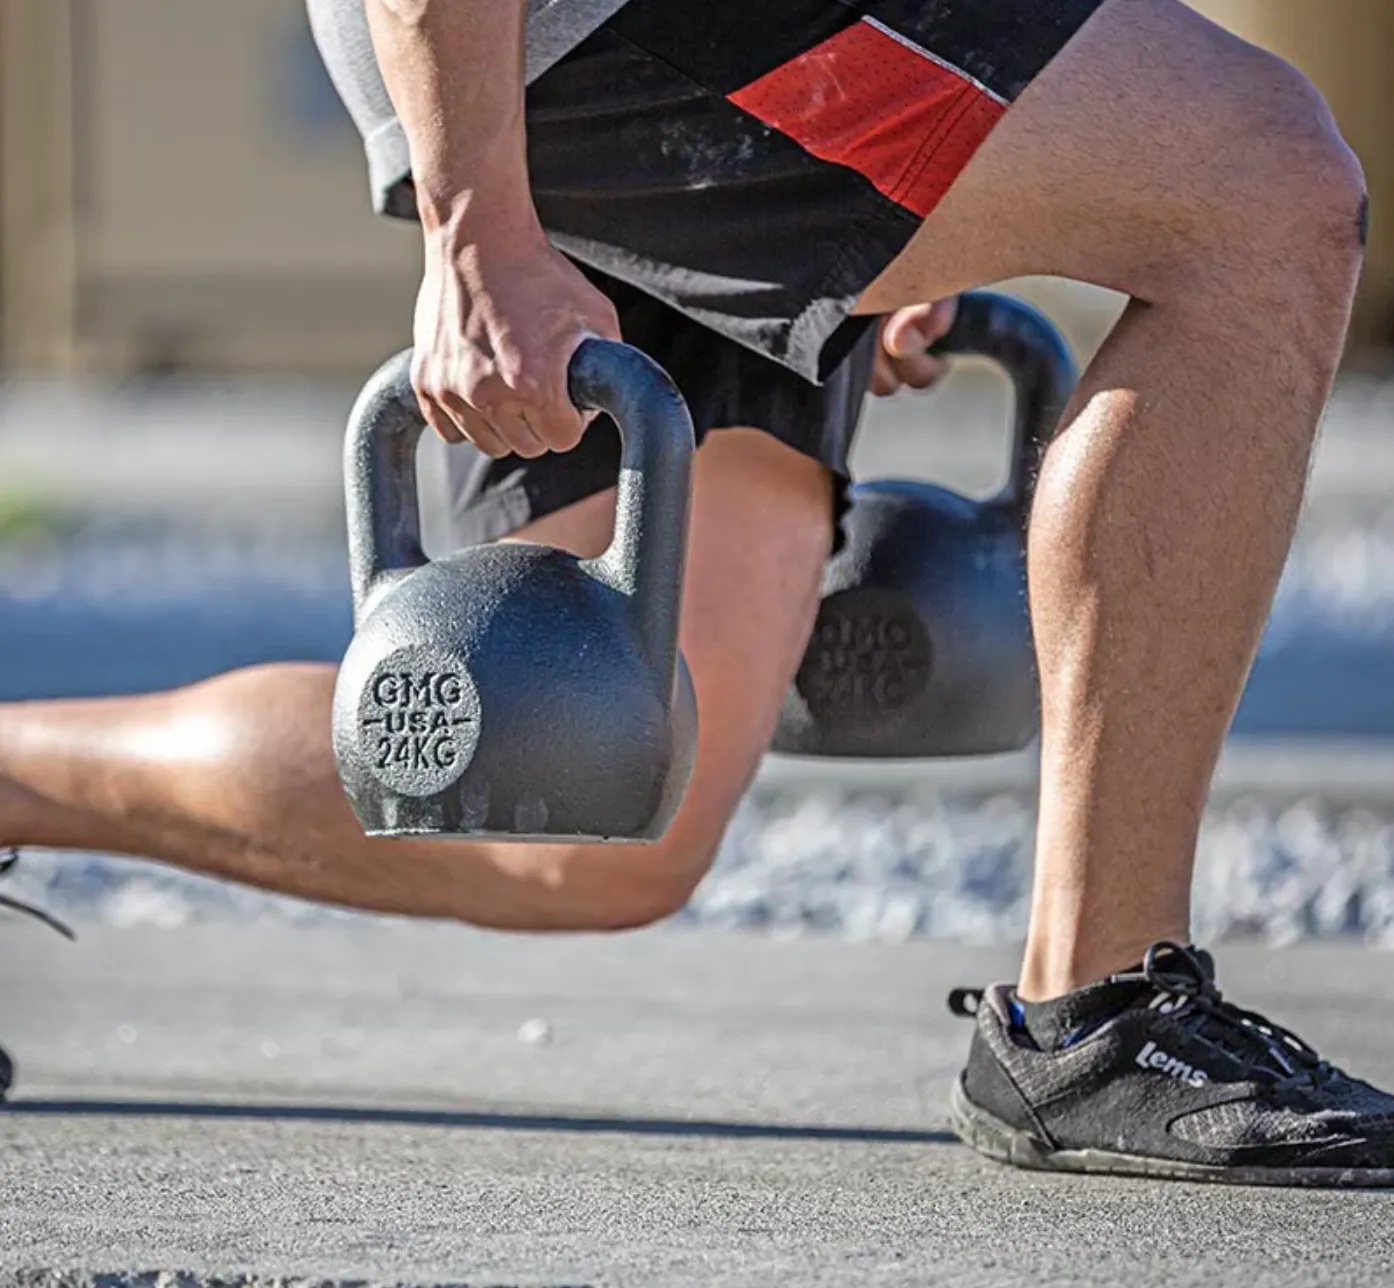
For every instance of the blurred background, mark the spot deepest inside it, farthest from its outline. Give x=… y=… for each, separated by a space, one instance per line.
x=192 y=287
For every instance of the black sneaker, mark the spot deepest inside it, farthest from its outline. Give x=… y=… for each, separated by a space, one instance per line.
x=7 y=1068
x=1153 y=1073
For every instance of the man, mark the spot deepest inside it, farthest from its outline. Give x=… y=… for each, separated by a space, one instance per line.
x=748 y=187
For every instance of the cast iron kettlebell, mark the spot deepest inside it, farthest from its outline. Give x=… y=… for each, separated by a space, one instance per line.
x=514 y=691
x=922 y=645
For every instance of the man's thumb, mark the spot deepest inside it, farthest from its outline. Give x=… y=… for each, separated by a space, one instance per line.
x=906 y=334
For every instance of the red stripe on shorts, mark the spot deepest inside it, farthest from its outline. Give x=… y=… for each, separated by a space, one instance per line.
x=886 y=109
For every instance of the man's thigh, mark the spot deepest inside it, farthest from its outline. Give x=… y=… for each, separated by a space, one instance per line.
x=1157 y=155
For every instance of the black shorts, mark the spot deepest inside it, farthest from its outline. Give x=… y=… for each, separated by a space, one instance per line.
x=736 y=173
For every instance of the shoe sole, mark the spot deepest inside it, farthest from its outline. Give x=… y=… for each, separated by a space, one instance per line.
x=997 y=1140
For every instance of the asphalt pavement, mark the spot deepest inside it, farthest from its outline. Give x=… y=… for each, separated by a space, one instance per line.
x=423 y=1104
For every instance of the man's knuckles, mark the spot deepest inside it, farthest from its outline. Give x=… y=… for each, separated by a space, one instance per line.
x=919 y=372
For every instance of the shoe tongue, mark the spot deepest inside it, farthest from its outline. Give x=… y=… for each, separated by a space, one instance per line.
x=1057 y=1023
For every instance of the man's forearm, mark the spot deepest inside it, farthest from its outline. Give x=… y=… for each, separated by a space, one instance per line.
x=455 y=73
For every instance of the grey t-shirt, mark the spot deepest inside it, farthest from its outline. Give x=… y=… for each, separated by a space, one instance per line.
x=555 y=28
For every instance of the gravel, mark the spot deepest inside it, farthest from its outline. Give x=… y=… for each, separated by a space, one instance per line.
x=118 y=602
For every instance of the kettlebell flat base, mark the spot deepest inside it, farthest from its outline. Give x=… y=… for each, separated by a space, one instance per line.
x=517 y=838
x=919 y=749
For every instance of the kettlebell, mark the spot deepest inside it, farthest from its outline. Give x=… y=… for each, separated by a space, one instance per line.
x=513 y=691
x=922 y=645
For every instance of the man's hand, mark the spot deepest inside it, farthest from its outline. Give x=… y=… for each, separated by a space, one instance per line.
x=903 y=357
x=496 y=326
x=500 y=312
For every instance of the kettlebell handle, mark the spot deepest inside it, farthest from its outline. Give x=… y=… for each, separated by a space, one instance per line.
x=1043 y=372
x=384 y=517
x=646 y=558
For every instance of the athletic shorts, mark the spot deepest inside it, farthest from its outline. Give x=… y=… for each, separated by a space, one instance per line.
x=735 y=174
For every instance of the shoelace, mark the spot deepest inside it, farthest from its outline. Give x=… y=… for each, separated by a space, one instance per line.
x=1283 y=1058
x=1281 y=1061
x=7 y=865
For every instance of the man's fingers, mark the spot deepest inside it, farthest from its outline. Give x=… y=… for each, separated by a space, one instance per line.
x=516 y=428
x=909 y=332
x=477 y=428
x=891 y=375
x=559 y=427
x=499 y=428
x=517 y=408
x=920 y=372
x=439 y=419
x=503 y=428
x=906 y=339
x=904 y=333
x=884 y=381
x=469 y=426
x=942 y=318
x=485 y=437
x=558 y=423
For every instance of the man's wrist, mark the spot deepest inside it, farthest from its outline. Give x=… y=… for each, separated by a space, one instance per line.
x=474 y=226
x=488 y=189
x=470 y=214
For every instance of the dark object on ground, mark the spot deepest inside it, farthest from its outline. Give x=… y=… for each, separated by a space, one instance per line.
x=1154 y=1073
x=515 y=690
x=922 y=646
x=7 y=1067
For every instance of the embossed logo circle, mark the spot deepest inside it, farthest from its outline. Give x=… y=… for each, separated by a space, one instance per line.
x=869 y=655
x=418 y=721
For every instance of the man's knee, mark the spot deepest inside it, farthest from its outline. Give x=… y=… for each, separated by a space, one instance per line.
x=1309 y=168
x=597 y=888
x=660 y=879
x=1282 y=189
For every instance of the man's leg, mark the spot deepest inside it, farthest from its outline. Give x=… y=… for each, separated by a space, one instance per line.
x=1161 y=157
x=235 y=777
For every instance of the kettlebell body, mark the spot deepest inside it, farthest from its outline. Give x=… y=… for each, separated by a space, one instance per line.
x=514 y=691
x=922 y=646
